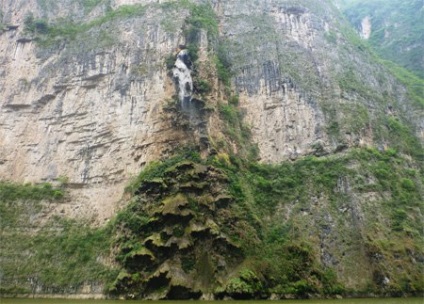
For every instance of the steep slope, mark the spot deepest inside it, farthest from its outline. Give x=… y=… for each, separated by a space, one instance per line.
x=394 y=29
x=208 y=89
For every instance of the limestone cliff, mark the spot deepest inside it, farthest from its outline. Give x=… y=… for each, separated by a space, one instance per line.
x=90 y=106
x=89 y=109
x=93 y=91
x=393 y=28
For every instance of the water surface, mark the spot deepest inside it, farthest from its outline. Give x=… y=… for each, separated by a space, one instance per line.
x=334 y=301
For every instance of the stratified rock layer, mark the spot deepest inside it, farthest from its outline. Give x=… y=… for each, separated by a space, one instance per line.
x=89 y=107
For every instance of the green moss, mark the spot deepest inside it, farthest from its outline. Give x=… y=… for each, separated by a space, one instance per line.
x=201 y=16
x=245 y=285
x=188 y=263
x=155 y=170
x=402 y=137
x=390 y=21
x=223 y=69
x=202 y=86
x=173 y=204
x=236 y=130
x=10 y=192
x=185 y=218
x=274 y=255
x=413 y=83
x=280 y=255
x=47 y=33
x=60 y=255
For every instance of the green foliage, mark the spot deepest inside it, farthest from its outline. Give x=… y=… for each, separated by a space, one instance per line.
x=351 y=83
x=399 y=216
x=14 y=291
x=233 y=100
x=413 y=83
x=131 y=219
x=395 y=131
x=402 y=137
x=287 y=182
x=293 y=269
x=60 y=256
x=397 y=30
x=407 y=184
x=229 y=113
x=202 y=16
x=49 y=33
x=16 y=199
x=246 y=285
x=236 y=130
x=193 y=51
x=56 y=255
x=156 y=170
x=76 y=250
x=222 y=63
x=352 y=36
x=279 y=255
x=333 y=126
x=223 y=71
x=202 y=87
x=170 y=61
x=36 y=26
x=292 y=264
x=10 y=192
x=331 y=286
x=264 y=189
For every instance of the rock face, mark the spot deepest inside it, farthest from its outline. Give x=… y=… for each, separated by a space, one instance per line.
x=177 y=251
x=291 y=110
x=89 y=112
x=93 y=93
x=89 y=107
x=392 y=28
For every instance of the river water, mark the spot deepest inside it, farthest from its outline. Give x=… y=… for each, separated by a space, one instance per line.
x=334 y=301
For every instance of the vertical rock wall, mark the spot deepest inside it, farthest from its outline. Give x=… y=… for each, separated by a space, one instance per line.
x=89 y=107
x=89 y=110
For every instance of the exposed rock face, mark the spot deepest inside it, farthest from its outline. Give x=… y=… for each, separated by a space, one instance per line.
x=90 y=107
x=127 y=82
x=393 y=28
x=366 y=27
x=292 y=110
x=177 y=251
x=91 y=114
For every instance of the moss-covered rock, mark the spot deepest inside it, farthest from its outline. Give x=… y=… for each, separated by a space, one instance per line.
x=188 y=247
